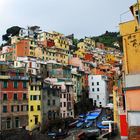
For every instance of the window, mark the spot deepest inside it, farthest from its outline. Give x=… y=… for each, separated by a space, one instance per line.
x=97 y=83
x=93 y=89
x=97 y=97
x=4 y=109
x=98 y=89
x=27 y=108
x=5 y=84
x=60 y=104
x=39 y=97
x=5 y=97
x=21 y=107
x=49 y=102
x=38 y=107
x=92 y=83
x=31 y=87
x=8 y=123
x=24 y=96
x=64 y=95
x=35 y=87
x=15 y=96
x=12 y=108
x=17 y=122
x=15 y=84
x=34 y=97
x=31 y=97
x=53 y=102
x=32 y=108
x=64 y=104
x=17 y=108
x=36 y=119
x=24 y=84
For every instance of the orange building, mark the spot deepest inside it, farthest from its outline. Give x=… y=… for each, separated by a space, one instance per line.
x=21 y=48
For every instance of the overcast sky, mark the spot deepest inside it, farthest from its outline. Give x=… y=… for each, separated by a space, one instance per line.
x=81 y=17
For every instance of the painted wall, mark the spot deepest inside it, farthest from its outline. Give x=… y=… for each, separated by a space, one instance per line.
x=132 y=100
x=98 y=90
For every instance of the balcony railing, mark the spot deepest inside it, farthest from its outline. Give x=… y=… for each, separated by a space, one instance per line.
x=38 y=83
x=19 y=78
x=4 y=77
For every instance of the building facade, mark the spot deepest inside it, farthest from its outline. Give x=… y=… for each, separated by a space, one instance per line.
x=98 y=90
x=14 y=99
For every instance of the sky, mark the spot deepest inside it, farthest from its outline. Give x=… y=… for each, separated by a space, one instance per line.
x=81 y=17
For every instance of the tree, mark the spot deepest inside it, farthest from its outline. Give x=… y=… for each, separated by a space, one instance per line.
x=12 y=31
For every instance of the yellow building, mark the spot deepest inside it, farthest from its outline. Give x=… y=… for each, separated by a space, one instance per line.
x=110 y=58
x=130 y=32
x=34 y=103
x=32 y=47
x=90 y=42
x=81 y=49
x=86 y=45
x=60 y=51
x=62 y=43
x=38 y=53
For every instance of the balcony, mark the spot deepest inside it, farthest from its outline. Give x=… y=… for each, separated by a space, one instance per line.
x=19 y=78
x=38 y=83
x=4 y=77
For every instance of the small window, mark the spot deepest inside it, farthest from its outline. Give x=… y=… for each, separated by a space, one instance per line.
x=38 y=107
x=97 y=83
x=24 y=84
x=64 y=104
x=8 y=123
x=21 y=107
x=15 y=96
x=17 y=108
x=93 y=89
x=4 y=109
x=49 y=102
x=34 y=97
x=31 y=97
x=32 y=108
x=27 y=108
x=15 y=84
x=31 y=87
x=12 y=108
x=35 y=87
x=17 y=122
x=39 y=97
x=97 y=97
x=5 y=84
x=5 y=97
x=98 y=89
x=92 y=83
x=53 y=102
x=24 y=96
x=64 y=95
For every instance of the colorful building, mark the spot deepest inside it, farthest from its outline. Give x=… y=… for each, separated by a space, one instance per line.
x=34 y=103
x=130 y=34
x=14 y=98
